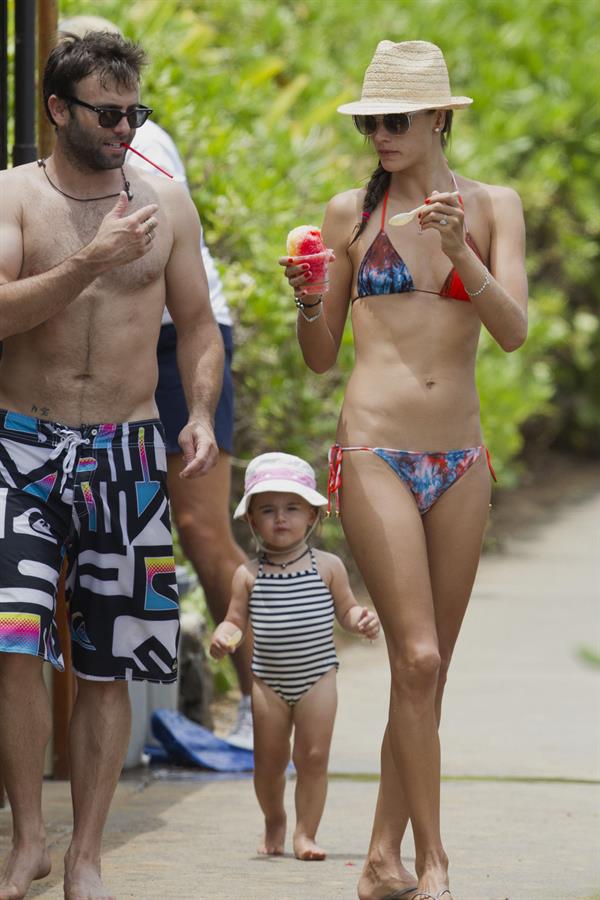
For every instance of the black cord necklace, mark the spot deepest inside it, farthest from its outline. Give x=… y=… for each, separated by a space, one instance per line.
x=284 y=565
x=42 y=164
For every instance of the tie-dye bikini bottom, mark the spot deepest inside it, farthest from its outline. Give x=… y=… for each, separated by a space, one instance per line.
x=427 y=475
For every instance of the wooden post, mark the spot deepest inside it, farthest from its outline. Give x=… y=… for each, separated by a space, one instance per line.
x=47 y=16
x=24 y=146
x=3 y=84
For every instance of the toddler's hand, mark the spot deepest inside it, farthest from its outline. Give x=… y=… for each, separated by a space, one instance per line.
x=368 y=623
x=225 y=640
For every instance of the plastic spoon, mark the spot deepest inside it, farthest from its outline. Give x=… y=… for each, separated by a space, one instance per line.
x=405 y=217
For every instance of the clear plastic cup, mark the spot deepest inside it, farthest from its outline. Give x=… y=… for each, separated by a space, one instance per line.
x=318 y=271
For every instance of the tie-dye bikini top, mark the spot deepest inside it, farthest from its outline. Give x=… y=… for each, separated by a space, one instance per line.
x=383 y=271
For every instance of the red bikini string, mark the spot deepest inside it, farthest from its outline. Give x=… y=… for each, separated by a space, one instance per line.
x=490 y=466
x=334 y=481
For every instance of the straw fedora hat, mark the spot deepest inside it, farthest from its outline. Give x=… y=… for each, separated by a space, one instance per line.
x=405 y=77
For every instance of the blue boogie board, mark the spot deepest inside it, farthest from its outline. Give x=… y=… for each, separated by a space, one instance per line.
x=189 y=744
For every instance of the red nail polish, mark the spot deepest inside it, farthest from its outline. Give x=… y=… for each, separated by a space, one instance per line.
x=427 y=201
x=290 y=261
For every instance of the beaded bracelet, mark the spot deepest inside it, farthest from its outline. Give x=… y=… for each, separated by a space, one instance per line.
x=302 y=306
x=486 y=282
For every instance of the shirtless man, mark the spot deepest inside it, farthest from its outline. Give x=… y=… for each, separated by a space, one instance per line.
x=89 y=254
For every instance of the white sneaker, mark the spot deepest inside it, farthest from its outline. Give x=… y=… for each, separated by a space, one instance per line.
x=242 y=735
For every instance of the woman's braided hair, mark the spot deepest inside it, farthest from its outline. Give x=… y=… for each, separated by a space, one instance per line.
x=379 y=182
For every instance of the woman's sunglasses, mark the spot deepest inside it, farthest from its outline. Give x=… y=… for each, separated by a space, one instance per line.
x=108 y=117
x=394 y=123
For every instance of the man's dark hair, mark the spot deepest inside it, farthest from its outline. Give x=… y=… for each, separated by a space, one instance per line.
x=114 y=59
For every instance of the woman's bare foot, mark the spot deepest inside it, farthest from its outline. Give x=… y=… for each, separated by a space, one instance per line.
x=22 y=866
x=433 y=880
x=83 y=881
x=383 y=879
x=306 y=849
x=437 y=889
x=274 y=839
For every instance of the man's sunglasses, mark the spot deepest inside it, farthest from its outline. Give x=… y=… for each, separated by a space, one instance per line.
x=394 y=123
x=110 y=118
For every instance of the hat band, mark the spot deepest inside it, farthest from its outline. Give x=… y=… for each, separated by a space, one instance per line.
x=376 y=94
x=280 y=475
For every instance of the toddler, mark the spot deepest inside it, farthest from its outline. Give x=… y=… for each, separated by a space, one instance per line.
x=290 y=595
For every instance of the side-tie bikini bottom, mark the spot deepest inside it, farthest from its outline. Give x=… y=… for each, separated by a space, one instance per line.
x=427 y=475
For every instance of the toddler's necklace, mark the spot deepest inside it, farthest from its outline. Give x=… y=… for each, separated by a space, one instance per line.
x=42 y=164
x=284 y=565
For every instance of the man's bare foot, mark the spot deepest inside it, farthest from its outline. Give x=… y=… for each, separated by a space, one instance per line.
x=22 y=866
x=306 y=849
x=384 y=879
x=83 y=881
x=274 y=840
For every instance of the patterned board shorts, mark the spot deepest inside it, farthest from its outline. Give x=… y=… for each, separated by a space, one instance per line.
x=97 y=495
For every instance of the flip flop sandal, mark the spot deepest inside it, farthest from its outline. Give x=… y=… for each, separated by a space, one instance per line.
x=425 y=895
x=397 y=895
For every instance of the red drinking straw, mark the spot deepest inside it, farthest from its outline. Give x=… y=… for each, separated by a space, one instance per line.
x=133 y=150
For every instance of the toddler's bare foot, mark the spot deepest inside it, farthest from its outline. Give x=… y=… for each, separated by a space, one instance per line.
x=306 y=849
x=385 y=879
x=274 y=840
x=83 y=881
x=22 y=866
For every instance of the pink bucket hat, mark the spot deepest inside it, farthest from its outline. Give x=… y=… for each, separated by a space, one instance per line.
x=279 y=472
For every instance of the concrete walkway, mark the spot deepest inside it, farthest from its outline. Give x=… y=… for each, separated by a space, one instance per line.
x=521 y=738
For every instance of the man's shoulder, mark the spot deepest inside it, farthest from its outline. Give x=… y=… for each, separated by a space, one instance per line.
x=17 y=187
x=18 y=175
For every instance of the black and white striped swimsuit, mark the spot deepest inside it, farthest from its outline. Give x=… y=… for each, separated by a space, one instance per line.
x=292 y=622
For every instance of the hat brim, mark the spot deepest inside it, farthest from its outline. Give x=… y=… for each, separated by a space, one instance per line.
x=381 y=107
x=285 y=487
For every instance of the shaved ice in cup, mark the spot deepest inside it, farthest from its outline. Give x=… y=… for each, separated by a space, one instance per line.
x=305 y=245
x=304 y=240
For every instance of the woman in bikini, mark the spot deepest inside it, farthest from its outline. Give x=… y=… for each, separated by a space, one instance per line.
x=409 y=466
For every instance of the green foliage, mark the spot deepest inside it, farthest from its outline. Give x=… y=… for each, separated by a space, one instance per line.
x=589 y=656
x=248 y=89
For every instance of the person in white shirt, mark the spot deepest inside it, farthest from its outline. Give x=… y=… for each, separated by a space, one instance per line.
x=200 y=510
